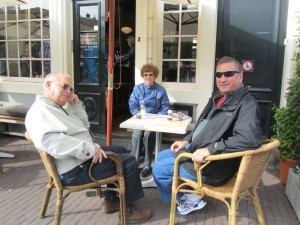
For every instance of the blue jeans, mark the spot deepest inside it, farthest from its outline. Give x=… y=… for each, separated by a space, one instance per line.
x=163 y=174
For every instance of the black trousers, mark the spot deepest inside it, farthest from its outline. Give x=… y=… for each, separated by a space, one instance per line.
x=107 y=168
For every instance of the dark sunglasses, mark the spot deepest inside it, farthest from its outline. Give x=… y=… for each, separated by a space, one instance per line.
x=65 y=86
x=226 y=74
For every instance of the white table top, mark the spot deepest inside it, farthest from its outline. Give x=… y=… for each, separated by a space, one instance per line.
x=158 y=123
x=9 y=105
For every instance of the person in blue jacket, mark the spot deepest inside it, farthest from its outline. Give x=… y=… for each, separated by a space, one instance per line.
x=156 y=101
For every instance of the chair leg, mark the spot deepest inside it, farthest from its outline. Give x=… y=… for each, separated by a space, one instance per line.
x=46 y=201
x=259 y=213
x=173 y=207
x=122 y=208
x=232 y=212
x=59 y=206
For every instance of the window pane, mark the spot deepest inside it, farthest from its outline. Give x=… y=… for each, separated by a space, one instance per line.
x=187 y=72
x=11 y=31
x=170 y=48
x=168 y=6
x=2 y=14
x=34 y=6
x=2 y=31
x=12 y=49
x=2 y=50
x=23 y=12
x=46 y=30
x=189 y=23
x=11 y=13
x=189 y=7
x=89 y=71
x=35 y=27
x=23 y=30
x=89 y=45
x=171 y=24
x=13 y=68
x=36 y=68
x=36 y=49
x=25 y=68
x=169 y=73
x=88 y=18
x=45 y=8
x=188 y=48
x=46 y=49
x=3 y=68
x=47 y=67
x=24 y=49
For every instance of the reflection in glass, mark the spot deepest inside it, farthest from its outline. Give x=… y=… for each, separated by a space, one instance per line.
x=189 y=23
x=2 y=14
x=89 y=70
x=24 y=49
x=11 y=31
x=169 y=72
x=47 y=67
x=12 y=49
x=11 y=13
x=13 y=68
x=171 y=24
x=3 y=68
x=2 y=31
x=170 y=48
x=2 y=50
x=88 y=18
x=89 y=44
x=190 y=7
x=45 y=8
x=35 y=29
x=25 y=68
x=36 y=66
x=187 y=72
x=46 y=30
x=46 y=49
x=23 y=12
x=168 y=6
x=23 y=30
x=35 y=12
x=36 y=49
x=188 y=48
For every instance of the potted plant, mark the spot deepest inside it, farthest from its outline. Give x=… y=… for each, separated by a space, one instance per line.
x=287 y=123
x=292 y=189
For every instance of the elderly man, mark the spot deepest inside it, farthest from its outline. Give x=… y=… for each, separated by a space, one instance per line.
x=228 y=123
x=63 y=132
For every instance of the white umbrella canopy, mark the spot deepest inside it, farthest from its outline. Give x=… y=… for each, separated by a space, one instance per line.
x=6 y=3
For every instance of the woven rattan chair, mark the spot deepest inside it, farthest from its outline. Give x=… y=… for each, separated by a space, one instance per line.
x=54 y=182
x=241 y=186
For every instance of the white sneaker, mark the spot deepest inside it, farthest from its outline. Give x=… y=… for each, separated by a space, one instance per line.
x=181 y=200
x=189 y=206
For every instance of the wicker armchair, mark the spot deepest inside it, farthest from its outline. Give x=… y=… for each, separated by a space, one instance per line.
x=241 y=186
x=54 y=182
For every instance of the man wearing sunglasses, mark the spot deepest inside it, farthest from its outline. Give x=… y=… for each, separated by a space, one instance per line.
x=58 y=124
x=228 y=123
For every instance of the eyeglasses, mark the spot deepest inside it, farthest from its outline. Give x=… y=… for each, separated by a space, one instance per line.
x=148 y=74
x=226 y=74
x=65 y=86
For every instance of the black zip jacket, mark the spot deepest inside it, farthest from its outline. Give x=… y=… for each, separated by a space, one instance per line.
x=234 y=126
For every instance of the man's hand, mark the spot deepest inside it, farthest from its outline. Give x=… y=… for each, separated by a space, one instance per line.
x=74 y=99
x=98 y=155
x=177 y=145
x=200 y=154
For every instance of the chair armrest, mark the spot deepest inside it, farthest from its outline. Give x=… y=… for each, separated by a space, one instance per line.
x=116 y=158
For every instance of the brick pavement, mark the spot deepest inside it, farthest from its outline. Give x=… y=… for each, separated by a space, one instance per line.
x=22 y=188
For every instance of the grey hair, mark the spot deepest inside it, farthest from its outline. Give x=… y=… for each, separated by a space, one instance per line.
x=227 y=59
x=53 y=76
x=131 y=41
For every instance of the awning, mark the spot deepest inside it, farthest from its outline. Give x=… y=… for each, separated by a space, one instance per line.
x=6 y=3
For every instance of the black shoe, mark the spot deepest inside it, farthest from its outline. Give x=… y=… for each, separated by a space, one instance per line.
x=145 y=171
